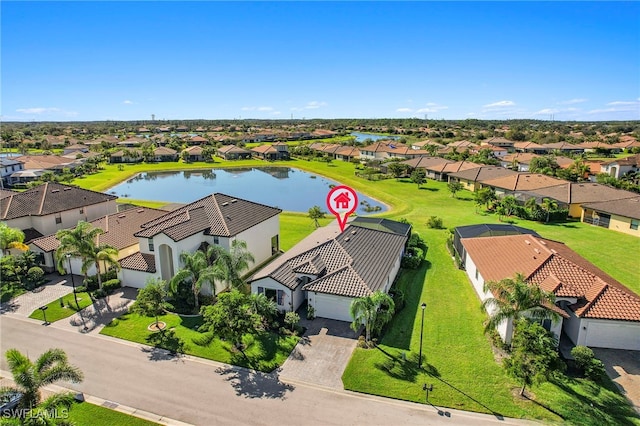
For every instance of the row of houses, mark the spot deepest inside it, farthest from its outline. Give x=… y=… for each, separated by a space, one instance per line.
x=330 y=267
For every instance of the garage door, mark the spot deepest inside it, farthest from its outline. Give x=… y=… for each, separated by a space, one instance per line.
x=334 y=307
x=614 y=336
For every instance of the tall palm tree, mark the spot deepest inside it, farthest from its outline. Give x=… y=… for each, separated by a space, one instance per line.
x=29 y=377
x=513 y=297
x=79 y=241
x=11 y=238
x=230 y=264
x=104 y=254
x=196 y=271
x=365 y=310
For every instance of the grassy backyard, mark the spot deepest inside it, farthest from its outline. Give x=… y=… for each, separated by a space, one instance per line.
x=459 y=361
x=264 y=352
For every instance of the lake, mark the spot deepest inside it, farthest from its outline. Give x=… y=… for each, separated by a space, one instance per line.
x=361 y=137
x=283 y=187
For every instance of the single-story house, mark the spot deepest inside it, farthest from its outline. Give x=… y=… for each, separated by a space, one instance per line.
x=596 y=310
x=530 y=147
x=473 y=179
x=433 y=166
x=215 y=219
x=519 y=160
x=621 y=215
x=194 y=153
x=619 y=167
x=276 y=151
x=127 y=155
x=165 y=154
x=329 y=268
x=232 y=152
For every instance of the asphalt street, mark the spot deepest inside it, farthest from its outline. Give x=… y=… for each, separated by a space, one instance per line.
x=202 y=392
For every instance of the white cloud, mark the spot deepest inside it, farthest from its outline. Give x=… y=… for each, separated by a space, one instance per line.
x=315 y=104
x=265 y=108
x=500 y=104
x=546 y=111
x=573 y=101
x=48 y=111
x=127 y=102
x=404 y=110
x=622 y=103
x=431 y=107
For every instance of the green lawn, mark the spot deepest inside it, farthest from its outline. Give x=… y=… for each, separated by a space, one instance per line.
x=84 y=413
x=265 y=351
x=56 y=312
x=459 y=361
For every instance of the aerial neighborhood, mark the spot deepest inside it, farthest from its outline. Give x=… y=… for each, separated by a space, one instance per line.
x=501 y=245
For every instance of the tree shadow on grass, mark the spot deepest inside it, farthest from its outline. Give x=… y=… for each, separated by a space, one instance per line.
x=255 y=384
x=399 y=365
x=166 y=346
x=428 y=188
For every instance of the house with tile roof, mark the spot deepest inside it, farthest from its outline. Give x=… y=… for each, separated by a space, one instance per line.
x=232 y=152
x=9 y=166
x=119 y=232
x=621 y=166
x=622 y=215
x=596 y=310
x=52 y=206
x=383 y=150
x=193 y=153
x=519 y=160
x=473 y=179
x=271 y=152
x=215 y=219
x=330 y=268
x=164 y=153
x=433 y=166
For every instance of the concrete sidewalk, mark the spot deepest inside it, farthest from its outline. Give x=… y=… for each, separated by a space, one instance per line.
x=26 y=303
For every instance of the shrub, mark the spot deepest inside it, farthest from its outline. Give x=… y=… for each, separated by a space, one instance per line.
x=206 y=299
x=81 y=289
x=311 y=312
x=35 y=277
x=413 y=258
x=99 y=294
x=111 y=286
x=585 y=359
x=435 y=222
x=362 y=343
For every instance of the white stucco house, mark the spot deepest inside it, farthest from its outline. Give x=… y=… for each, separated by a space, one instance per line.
x=215 y=219
x=330 y=268
x=596 y=310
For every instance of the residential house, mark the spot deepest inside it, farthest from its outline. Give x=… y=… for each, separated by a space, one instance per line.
x=596 y=310
x=473 y=179
x=628 y=144
x=329 y=268
x=519 y=160
x=232 y=152
x=383 y=150
x=165 y=154
x=565 y=147
x=9 y=166
x=197 y=140
x=51 y=206
x=132 y=142
x=530 y=147
x=518 y=182
x=119 y=229
x=194 y=153
x=271 y=152
x=217 y=219
x=574 y=194
x=621 y=166
x=500 y=142
x=75 y=148
x=424 y=145
x=433 y=166
x=593 y=146
x=621 y=215
x=127 y=155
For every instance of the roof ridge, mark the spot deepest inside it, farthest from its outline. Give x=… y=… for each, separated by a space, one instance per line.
x=44 y=195
x=219 y=211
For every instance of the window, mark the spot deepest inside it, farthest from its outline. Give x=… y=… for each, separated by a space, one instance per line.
x=216 y=239
x=476 y=274
x=260 y=290
x=275 y=244
x=150 y=241
x=82 y=211
x=634 y=224
x=280 y=299
x=270 y=293
x=58 y=219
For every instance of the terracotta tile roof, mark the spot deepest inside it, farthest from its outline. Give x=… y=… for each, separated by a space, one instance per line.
x=386 y=146
x=4 y=193
x=119 y=229
x=562 y=146
x=38 y=162
x=554 y=267
x=162 y=150
x=628 y=207
x=527 y=145
x=463 y=145
x=595 y=144
x=232 y=149
x=194 y=150
x=143 y=262
x=583 y=192
x=216 y=214
x=483 y=174
x=49 y=198
x=353 y=263
x=436 y=164
x=627 y=144
x=499 y=140
x=459 y=166
x=632 y=160
x=520 y=157
x=264 y=149
x=523 y=181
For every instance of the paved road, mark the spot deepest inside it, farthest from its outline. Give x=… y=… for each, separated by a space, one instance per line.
x=208 y=393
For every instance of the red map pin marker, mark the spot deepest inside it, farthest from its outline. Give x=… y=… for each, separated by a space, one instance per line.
x=341 y=202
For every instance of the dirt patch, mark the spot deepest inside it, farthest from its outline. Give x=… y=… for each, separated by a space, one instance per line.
x=157 y=327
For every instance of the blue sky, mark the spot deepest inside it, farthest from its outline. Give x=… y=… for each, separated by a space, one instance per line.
x=72 y=61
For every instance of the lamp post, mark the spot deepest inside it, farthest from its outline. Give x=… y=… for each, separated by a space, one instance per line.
x=73 y=283
x=44 y=313
x=423 y=307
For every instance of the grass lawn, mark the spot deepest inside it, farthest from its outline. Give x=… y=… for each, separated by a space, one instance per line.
x=57 y=312
x=458 y=358
x=264 y=352
x=84 y=413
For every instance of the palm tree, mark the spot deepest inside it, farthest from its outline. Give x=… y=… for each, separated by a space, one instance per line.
x=365 y=310
x=11 y=238
x=512 y=297
x=50 y=367
x=104 y=254
x=196 y=271
x=548 y=205
x=229 y=265
x=79 y=241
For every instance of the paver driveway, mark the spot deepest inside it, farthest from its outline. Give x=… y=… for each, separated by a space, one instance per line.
x=321 y=355
x=624 y=369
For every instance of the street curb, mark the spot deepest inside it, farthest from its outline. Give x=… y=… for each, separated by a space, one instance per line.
x=141 y=414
